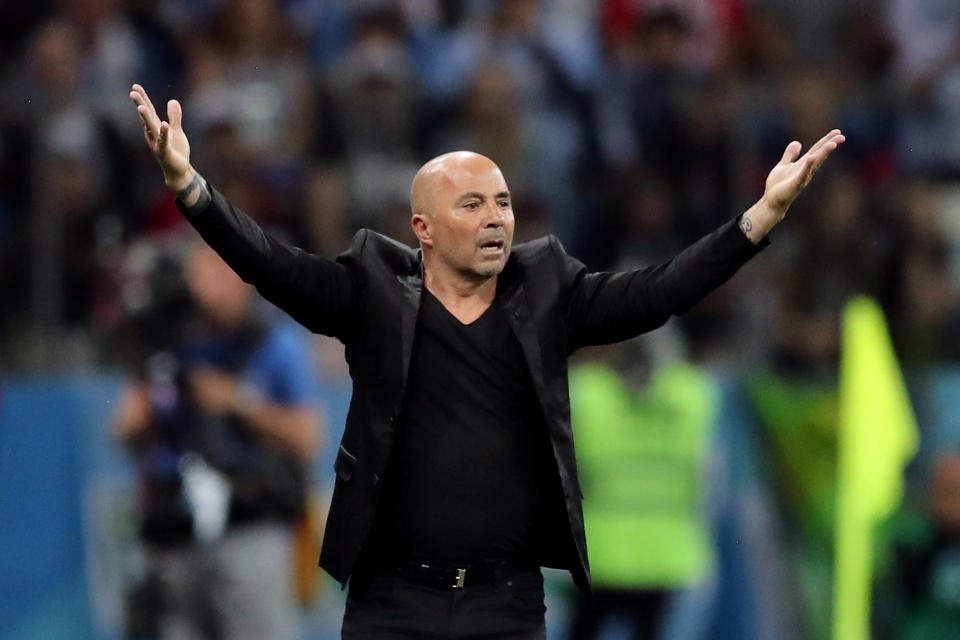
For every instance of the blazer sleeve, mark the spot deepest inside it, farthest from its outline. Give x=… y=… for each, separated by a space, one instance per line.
x=317 y=292
x=606 y=307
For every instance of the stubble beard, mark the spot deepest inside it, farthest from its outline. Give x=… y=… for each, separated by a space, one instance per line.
x=473 y=269
x=482 y=272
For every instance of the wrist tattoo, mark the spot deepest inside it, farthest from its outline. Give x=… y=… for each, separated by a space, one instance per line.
x=745 y=224
x=198 y=184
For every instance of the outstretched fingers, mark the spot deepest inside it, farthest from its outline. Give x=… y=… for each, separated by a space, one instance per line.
x=175 y=113
x=807 y=170
x=823 y=141
x=151 y=122
x=790 y=153
x=826 y=144
x=150 y=126
x=825 y=147
x=819 y=151
x=794 y=171
x=814 y=158
x=146 y=98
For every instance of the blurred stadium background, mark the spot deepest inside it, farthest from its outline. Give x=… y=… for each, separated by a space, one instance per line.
x=626 y=127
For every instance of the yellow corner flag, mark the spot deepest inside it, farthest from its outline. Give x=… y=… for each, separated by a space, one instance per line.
x=877 y=437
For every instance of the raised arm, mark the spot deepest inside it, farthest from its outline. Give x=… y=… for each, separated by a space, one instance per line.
x=169 y=145
x=317 y=292
x=609 y=307
x=784 y=184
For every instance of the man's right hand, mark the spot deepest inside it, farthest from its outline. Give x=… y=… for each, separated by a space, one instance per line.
x=166 y=140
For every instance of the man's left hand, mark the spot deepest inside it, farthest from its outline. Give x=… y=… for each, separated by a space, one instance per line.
x=792 y=174
x=785 y=183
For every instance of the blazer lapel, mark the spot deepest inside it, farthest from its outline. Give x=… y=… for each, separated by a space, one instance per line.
x=518 y=315
x=411 y=288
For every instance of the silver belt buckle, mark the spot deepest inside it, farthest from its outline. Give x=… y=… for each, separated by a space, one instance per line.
x=461 y=575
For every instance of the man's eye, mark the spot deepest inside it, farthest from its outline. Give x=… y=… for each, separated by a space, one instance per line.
x=472 y=206
x=505 y=203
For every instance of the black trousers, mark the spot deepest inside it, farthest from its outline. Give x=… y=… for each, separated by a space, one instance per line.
x=388 y=607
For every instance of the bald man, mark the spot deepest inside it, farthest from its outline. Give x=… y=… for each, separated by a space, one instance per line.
x=456 y=477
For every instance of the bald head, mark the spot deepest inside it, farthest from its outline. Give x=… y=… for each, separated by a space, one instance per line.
x=462 y=215
x=454 y=169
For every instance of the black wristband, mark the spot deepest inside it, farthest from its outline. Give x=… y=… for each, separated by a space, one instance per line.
x=198 y=183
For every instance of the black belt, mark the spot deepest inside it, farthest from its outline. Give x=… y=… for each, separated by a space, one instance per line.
x=457 y=578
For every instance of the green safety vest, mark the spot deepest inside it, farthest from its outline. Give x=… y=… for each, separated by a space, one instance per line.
x=641 y=457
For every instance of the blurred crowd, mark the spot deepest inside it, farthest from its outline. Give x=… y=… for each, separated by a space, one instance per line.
x=627 y=127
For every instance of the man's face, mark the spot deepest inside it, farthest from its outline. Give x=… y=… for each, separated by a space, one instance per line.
x=471 y=226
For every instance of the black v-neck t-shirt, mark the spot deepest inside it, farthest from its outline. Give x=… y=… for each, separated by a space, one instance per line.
x=471 y=476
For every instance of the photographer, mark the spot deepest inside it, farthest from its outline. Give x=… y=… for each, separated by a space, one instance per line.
x=222 y=429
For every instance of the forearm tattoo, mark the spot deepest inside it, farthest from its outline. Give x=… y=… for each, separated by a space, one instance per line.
x=745 y=224
x=199 y=185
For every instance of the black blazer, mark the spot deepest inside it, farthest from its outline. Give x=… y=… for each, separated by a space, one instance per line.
x=369 y=297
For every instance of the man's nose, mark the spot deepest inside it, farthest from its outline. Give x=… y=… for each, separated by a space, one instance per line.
x=495 y=215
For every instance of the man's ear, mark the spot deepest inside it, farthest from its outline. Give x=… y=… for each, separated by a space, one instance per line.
x=421 y=228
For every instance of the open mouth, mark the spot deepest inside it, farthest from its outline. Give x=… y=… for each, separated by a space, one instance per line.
x=492 y=246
